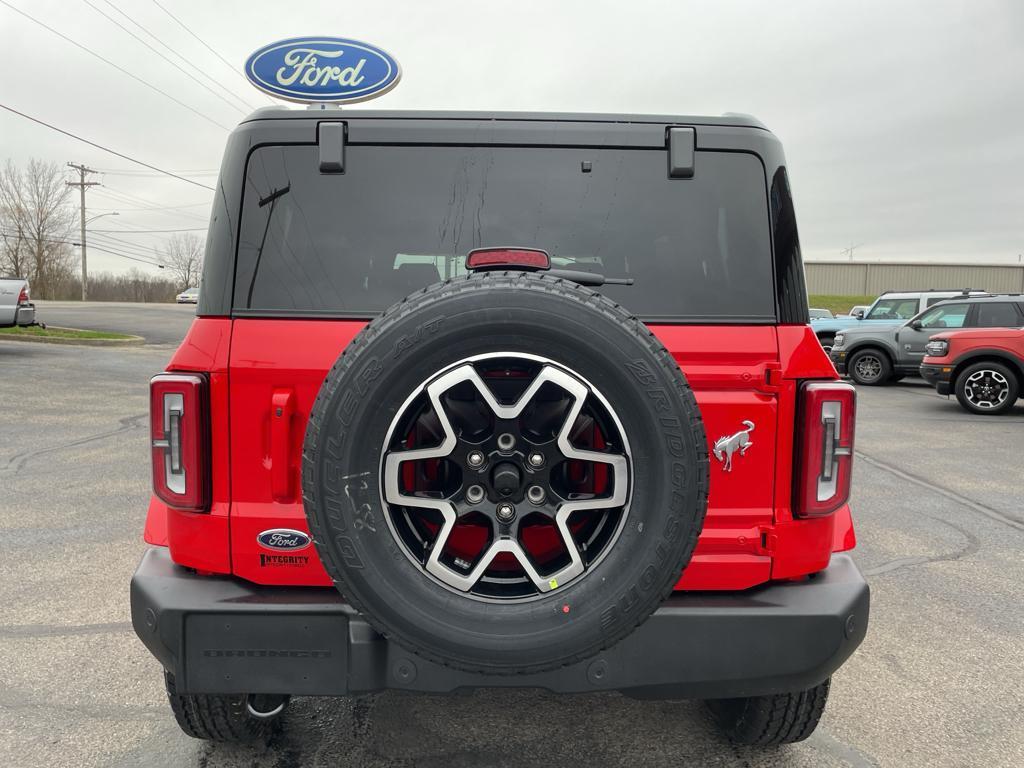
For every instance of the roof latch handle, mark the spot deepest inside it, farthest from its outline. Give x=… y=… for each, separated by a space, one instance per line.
x=682 y=143
x=332 y=147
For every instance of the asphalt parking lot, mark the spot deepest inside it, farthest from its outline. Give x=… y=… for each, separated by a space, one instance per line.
x=156 y=323
x=939 y=680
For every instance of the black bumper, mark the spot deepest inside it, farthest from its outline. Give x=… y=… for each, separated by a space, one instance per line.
x=938 y=376
x=225 y=635
x=839 y=361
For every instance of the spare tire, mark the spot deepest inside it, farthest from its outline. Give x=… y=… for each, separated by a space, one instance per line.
x=505 y=473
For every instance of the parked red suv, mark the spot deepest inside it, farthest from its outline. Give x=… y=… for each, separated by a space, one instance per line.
x=983 y=367
x=501 y=400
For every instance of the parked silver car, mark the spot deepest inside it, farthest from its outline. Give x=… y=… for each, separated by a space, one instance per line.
x=16 y=308
x=188 y=296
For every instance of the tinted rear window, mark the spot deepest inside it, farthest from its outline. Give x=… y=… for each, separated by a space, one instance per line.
x=998 y=315
x=403 y=217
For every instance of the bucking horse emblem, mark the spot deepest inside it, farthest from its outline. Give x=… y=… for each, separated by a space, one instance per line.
x=726 y=447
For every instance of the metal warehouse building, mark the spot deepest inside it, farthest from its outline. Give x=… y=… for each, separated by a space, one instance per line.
x=850 y=278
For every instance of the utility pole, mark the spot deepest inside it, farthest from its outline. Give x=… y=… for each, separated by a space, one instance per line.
x=82 y=184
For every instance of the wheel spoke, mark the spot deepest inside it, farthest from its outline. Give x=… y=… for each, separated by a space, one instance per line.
x=504 y=536
x=466 y=582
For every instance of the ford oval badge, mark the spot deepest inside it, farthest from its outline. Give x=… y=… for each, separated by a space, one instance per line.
x=322 y=69
x=284 y=539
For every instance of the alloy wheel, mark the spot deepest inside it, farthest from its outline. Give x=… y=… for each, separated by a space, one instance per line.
x=986 y=389
x=506 y=477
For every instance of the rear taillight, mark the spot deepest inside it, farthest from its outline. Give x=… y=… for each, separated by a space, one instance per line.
x=23 y=296
x=180 y=437
x=825 y=447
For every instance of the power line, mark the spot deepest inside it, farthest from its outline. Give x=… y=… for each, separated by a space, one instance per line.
x=94 y=247
x=126 y=256
x=140 y=249
x=115 y=66
x=174 y=64
x=105 y=149
x=184 y=59
x=126 y=247
x=181 y=24
x=140 y=200
x=142 y=211
x=149 y=231
x=133 y=174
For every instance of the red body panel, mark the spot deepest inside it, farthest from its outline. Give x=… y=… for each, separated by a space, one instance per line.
x=271 y=371
x=200 y=539
x=961 y=343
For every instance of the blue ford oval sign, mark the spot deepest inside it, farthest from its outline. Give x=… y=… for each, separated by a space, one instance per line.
x=322 y=69
x=284 y=539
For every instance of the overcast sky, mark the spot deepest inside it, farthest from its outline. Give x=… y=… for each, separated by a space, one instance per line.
x=903 y=122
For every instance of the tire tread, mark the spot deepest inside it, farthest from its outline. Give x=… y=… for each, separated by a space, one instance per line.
x=764 y=721
x=521 y=281
x=214 y=718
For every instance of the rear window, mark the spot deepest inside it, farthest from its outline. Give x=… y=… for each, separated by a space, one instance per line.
x=402 y=217
x=998 y=315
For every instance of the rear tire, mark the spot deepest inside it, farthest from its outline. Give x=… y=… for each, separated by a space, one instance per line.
x=987 y=388
x=765 y=721
x=224 y=718
x=870 y=367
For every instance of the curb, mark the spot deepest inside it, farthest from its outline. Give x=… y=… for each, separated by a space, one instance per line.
x=132 y=341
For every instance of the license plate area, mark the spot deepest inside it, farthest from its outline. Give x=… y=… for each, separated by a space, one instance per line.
x=264 y=653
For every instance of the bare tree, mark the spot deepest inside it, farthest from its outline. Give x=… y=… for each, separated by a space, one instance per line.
x=133 y=285
x=183 y=257
x=36 y=223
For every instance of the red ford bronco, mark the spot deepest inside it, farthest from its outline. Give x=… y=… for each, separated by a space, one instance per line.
x=501 y=400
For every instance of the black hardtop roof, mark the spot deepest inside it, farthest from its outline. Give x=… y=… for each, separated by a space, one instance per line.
x=985 y=299
x=730 y=119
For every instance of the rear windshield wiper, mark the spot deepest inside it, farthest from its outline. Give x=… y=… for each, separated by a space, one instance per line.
x=588 y=278
x=270 y=200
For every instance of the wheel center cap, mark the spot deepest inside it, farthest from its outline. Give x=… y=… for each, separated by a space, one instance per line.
x=506 y=479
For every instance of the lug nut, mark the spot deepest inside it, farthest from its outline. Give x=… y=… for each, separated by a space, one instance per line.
x=506 y=512
x=475 y=459
x=474 y=494
x=506 y=442
x=535 y=494
x=536 y=459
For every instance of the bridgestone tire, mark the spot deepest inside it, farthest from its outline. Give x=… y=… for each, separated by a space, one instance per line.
x=222 y=718
x=766 y=721
x=520 y=313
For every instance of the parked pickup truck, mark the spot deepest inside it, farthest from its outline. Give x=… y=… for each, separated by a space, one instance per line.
x=891 y=308
x=15 y=306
